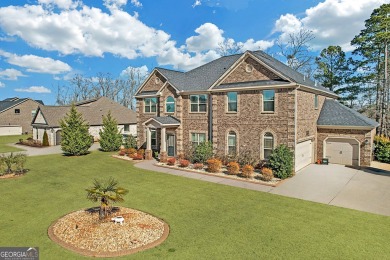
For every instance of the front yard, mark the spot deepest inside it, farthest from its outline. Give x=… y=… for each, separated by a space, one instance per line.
x=4 y=140
x=207 y=221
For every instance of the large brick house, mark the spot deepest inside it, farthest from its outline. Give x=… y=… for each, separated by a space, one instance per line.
x=249 y=102
x=16 y=115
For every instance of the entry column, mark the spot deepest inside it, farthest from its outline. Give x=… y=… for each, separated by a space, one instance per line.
x=148 y=152
x=163 y=148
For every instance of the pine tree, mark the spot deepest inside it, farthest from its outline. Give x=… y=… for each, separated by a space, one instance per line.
x=110 y=136
x=76 y=139
x=45 y=139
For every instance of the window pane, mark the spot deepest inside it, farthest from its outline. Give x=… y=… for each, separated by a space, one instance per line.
x=194 y=108
x=232 y=96
x=231 y=140
x=202 y=99
x=316 y=101
x=268 y=143
x=232 y=107
x=170 y=100
x=231 y=150
x=202 y=138
x=194 y=99
x=147 y=101
x=153 y=101
x=269 y=106
x=202 y=108
x=267 y=153
x=147 y=109
x=194 y=137
x=154 y=108
x=170 y=108
x=269 y=94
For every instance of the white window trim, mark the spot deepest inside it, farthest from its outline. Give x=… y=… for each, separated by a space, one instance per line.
x=227 y=141
x=190 y=103
x=262 y=141
x=150 y=106
x=198 y=133
x=227 y=102
x=262 y=102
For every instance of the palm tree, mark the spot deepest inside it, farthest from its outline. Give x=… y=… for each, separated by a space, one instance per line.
x=106 y=192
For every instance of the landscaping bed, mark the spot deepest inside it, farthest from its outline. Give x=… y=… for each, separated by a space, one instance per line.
x=83 y=232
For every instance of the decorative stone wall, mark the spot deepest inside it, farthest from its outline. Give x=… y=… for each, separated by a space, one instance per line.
x=360 y=135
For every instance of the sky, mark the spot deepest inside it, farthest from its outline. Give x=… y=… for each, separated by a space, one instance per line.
x=45 y=43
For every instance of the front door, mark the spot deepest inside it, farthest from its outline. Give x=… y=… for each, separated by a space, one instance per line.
x=171 y=144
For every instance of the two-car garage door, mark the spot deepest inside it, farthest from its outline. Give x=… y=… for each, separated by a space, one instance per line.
x=303 y=154
x=342 y=151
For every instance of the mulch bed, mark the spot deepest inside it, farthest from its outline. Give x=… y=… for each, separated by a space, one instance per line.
x=10 y=176
x=83 y=233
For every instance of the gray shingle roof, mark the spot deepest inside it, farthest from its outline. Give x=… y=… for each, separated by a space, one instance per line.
x=252 y=84
x=288 y=72
x=335 y=114
x=10 y=102
x=146 y=93
x=92 y=111
x=167 y=120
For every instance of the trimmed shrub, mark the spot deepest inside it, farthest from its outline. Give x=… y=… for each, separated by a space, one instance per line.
x=247 y=171
x=122 y=153
x=20 y=160
x=110 y=135
x=138 y=157
x=171 y=161
x=130 y=142
x=198 y=166
x=203 y=152
x=382 y=149
x=13 y=163
x=141 y=151
x=247 y=158
x=233 y=168
x=131 y=152
x=214 y=165
x=45 y=140
x=267 y=174
x=184 y=163
x=281 y=162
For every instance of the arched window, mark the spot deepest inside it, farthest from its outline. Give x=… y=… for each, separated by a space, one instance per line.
x=268 y=144
x=170 y=105
x=232 y=143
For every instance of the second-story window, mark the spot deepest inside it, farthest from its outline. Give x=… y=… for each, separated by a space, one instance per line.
x=170 y=105
x=17 y=111
x=150 y=105
x=232 y=101
x=269 y=100
x=198 y=103
x=316 y=101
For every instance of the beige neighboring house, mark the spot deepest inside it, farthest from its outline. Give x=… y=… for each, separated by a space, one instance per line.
x=48 y=118
x=250 y=102
x=16 y=115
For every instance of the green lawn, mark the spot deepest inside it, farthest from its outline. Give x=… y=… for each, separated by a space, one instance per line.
x=4 y=140
x=207 y=221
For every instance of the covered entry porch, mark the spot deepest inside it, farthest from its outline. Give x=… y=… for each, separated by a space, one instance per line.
x=163 y=131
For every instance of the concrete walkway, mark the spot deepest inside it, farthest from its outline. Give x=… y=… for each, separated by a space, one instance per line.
x=34 y=151
x=329 y=184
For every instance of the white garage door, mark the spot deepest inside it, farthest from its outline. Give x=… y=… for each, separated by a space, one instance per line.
x=10 y=130
x=342 y=151
x=303 y=154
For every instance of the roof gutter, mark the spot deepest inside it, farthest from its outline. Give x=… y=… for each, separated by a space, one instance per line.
x=345 y=127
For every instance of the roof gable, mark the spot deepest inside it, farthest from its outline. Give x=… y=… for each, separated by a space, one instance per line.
x=9 y=103
x=336 y=114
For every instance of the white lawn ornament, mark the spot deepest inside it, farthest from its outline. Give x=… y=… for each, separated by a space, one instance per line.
x=118 y=219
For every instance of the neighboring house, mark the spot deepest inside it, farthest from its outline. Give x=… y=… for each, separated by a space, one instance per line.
x=249 y=102
x=16 y=115
x=48 y=118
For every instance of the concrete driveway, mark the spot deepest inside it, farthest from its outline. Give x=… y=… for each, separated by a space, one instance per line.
x=333 y=184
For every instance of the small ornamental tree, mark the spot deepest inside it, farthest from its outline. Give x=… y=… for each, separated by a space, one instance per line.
x=110 y=136
x=76 y=139
x=202 y=152
x=281 y=162
x=45 y=141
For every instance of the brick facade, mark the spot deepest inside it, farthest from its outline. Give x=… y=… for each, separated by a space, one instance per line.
x=23 y=119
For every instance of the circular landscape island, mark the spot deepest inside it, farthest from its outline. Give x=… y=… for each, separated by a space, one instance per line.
x=124 y=232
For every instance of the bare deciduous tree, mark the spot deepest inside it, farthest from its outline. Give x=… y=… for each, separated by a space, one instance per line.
x=229 y=47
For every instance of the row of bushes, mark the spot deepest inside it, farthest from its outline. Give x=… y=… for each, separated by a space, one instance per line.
x=280 y=161
x=13 y=163
x=133 y=153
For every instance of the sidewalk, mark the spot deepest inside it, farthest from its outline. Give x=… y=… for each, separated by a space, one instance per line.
x=35 y=151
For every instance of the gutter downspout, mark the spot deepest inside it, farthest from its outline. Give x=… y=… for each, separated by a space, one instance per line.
x=295 y=125
x=210 y=117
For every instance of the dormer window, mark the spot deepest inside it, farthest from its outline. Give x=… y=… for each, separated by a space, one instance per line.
x=17 y=111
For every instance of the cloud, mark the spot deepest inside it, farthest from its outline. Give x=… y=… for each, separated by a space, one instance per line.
x=253 y=45
x=114 y=3
x=63 y=4
x=136 y=3
x=143 y=70
x=36 y=64
x=197 y=3
x=7 y=39
x=333 y=22
x=34 y=89
x=11 y=74
x=2 y=85
x=209 y=36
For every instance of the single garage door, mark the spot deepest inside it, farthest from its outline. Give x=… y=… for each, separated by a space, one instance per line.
x=342 y=151
x=303 y=154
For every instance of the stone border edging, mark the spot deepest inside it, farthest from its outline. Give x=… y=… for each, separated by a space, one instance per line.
x=85 y=252
x=219 y=176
